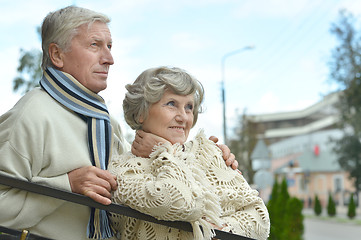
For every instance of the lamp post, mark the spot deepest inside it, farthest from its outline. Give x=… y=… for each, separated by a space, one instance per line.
x=223 y=88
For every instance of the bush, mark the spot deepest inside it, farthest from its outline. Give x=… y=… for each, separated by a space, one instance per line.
x=277 y=207
x=331 y=207
x=351 y=213
x=317 y=207
x=271 y=206
x=293 y=221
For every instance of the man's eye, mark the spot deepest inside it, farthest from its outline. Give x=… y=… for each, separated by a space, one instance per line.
x=109 y=46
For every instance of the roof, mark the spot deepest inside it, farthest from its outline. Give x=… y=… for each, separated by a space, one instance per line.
x=330 y=99
x=326 y=161
x=260 y=151
x=308 y=161
x=302 y=149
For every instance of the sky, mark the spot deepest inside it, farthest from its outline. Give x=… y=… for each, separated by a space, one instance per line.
x=287 y=68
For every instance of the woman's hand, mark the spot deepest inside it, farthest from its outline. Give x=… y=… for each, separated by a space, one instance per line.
x=228 y=157
x=144 y=142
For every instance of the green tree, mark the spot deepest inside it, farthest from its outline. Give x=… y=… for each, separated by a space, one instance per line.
x=271 y=206
x=345 y=69
x=29 y=70
x=351 y=212
x=293 y=221
x=317 y=207
x=279 y=213
x=331 y=206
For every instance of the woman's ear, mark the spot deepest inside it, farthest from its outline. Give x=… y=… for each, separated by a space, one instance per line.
x=141 y=119
x=55 y=54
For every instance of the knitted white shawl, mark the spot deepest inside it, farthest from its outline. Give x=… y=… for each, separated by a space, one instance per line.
x=186 y=183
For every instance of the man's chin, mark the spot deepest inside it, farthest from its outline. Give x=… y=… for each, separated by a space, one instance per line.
x=99 y=88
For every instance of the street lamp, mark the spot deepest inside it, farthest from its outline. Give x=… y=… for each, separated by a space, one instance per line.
x=223 y=89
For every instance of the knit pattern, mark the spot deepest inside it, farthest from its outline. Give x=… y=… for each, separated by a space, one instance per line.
x=186 y=183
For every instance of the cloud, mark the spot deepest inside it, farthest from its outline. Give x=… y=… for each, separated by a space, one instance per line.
x=276 y=8
x=188 y=42
x=269 y=102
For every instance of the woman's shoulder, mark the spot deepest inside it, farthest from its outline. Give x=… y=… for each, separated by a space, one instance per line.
x=200 y=143
x=121 y=163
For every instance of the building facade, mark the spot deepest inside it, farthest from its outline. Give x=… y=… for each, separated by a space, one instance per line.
x=300 y=146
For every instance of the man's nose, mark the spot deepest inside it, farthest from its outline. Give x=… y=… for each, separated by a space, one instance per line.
x=107 y=57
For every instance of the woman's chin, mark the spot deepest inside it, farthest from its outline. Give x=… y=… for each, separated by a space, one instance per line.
x=177 y=140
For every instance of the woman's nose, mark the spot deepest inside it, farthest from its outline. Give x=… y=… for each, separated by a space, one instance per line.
x=181 y=115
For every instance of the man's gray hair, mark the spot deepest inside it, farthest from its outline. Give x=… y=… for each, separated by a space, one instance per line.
x=61 y=26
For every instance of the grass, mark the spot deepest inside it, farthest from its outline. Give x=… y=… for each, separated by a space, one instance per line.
x=347 y=220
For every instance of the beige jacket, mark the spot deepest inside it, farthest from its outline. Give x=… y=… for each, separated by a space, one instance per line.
x=41 y=141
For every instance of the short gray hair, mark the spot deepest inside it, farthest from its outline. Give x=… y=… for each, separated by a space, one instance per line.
x=61 y=26
x=149 y=88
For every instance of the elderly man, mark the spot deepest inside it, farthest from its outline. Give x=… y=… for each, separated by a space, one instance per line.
x=48 y=135
x=61 y=134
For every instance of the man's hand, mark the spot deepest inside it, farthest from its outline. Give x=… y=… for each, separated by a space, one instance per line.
x=144 y=142
x=93 y=182
x=228 y=157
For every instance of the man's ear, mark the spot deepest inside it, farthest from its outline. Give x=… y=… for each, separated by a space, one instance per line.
x=55 y=54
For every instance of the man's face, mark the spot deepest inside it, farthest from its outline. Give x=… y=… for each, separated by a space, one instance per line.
x=89 y=56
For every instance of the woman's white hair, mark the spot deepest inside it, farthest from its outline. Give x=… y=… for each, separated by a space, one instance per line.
x=149 y=88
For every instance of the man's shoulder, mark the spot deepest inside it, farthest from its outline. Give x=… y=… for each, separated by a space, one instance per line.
x=34 y=99
x=33 y=106
x=121 y=145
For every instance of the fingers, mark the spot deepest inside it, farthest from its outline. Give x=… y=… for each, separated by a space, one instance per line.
x=139 y=136
x=144 y=143
x=230 y=159
x=105 y=200
x=93 y=182
x=213 y=138
x=235 y=166
x=106 y=179
x=225 y=150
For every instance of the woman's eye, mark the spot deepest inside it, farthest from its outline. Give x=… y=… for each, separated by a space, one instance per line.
x=171 y=103
x=189 y=107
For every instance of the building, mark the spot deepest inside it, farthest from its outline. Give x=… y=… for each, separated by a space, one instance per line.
x=300 y=149
x=274 y=127
x=311 y=167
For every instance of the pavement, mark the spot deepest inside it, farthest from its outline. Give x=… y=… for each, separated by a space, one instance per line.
x=324 y=227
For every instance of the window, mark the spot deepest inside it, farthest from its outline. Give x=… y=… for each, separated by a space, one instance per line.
x=337 y=181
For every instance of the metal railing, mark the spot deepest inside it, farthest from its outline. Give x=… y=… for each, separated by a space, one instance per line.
x=83 y=200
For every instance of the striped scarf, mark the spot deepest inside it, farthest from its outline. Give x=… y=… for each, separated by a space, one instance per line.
x=91 y=107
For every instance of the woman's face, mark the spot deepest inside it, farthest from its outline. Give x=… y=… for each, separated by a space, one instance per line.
x=170 y=118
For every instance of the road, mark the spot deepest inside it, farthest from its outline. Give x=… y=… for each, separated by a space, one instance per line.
x=316 y=229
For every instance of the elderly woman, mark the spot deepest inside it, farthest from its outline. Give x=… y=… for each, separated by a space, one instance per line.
x=180 y=181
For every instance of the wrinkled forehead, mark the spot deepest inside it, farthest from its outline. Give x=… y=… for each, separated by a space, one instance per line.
x=169 y=93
